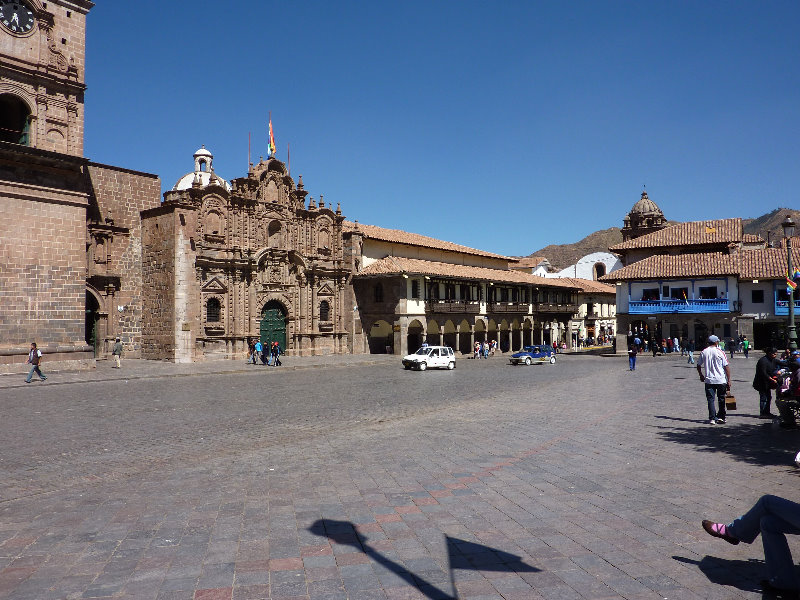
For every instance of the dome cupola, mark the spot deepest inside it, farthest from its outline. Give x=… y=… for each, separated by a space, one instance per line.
x=645 y=217
x=203 y=174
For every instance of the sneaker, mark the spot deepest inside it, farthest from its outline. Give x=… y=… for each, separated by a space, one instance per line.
x=719 y=530
x=712 y=422
x=720 y=421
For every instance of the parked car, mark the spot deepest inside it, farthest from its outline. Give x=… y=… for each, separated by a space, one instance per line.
x=441 y=357
x=534 y=354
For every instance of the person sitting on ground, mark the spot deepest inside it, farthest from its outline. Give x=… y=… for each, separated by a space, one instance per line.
x=773 y=517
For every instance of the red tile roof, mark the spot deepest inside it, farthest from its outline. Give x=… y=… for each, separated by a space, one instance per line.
x=694 y=233
x=767 y=263
x=398 y=236
x=590 y=286
x=396 y=265
x=705 y=264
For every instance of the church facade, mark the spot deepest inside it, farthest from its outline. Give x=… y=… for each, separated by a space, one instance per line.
x=253 y=259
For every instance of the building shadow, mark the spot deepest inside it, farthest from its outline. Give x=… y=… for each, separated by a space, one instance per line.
x=460 y=553
x=763 y=445
x=744 y=575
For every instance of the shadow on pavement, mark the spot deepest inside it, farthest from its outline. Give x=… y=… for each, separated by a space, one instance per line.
x=744 y=575
x=461 y=555
x=761 y=444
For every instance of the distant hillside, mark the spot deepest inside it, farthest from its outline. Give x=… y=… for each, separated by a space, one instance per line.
x=563 y=255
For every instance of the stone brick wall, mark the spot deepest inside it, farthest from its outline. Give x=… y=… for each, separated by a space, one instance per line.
x=158 y=267
x=119 y=195
x=43 y=276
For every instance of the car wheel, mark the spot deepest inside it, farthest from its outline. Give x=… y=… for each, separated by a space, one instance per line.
x=422 y=366
x=451 y=365
x=528 y=361
x=552 y=360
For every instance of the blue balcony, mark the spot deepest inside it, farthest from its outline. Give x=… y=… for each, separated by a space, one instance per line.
x=782 y=307
x=660 y=307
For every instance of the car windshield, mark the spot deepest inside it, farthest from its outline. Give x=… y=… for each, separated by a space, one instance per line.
x=423 y=351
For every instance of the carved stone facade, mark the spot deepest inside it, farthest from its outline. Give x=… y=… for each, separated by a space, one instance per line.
x=645 y=217
x=250 y=260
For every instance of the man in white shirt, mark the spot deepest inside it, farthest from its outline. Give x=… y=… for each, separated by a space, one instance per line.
x=717 y=378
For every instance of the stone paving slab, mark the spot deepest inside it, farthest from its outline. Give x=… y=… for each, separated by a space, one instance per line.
x=574 y=480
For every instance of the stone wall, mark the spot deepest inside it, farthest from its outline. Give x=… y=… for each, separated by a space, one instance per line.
x=119 y=195
x=158 y=281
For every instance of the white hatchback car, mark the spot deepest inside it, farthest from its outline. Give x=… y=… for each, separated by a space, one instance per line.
x=441 y=357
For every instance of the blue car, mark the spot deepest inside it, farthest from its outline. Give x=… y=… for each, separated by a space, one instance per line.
x=534 y=354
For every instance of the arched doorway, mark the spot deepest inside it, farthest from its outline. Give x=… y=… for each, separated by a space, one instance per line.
x=14 y=120
x=415 y=330
x=491 y=334
x=434 y=337
x=381 y=338
x=449 y=337
x=480 y=331
x=273 y=324
x=464 y=344
x=504 y=339
x=92 y=317
x=516 y=336
x=527 y=333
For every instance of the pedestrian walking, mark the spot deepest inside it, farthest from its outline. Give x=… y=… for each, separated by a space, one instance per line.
x=772 y=517
x=745 y=346
x=276 y=354
x=717 y=378
x=476 y=351
x=732 y=346
x=251 y=352
x=632 y=351
x=258 y=350
x=35 y=360
x=690 y=352
x=116 y=352
x=765 y=381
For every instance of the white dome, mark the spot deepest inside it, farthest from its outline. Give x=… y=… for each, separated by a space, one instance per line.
x=203 y=171
x=185 y=182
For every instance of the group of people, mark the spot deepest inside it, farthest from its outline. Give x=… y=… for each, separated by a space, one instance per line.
x=269 y=354
x=782 y=375
x=484 y=349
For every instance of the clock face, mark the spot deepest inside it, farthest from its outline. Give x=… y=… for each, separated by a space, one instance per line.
x=16 y=16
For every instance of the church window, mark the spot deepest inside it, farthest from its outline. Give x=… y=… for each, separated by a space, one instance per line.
x=599 y=270
x=324 y=239
x=378 y=292
x=213 y=310
x=274 y=234
x=14 y=120
x=324 y=311
x=214 y=223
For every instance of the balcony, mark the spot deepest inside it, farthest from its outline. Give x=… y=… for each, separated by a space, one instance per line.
x=509 y=307
x=656 y=307
x=552 y=307
x=782 y=307
x=453 y=306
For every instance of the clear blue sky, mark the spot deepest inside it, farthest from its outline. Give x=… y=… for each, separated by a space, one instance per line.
x=505 y=126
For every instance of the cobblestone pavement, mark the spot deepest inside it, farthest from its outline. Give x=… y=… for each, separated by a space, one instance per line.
x=574 y=480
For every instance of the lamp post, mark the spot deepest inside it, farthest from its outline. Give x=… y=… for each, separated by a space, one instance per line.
x=788 y=232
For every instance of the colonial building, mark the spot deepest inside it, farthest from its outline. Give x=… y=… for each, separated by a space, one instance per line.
x=253 y=259
x=411 y=289
x=69 y=240
x=645 y=217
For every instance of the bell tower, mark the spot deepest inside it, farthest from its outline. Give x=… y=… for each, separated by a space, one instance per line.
x=42 y=60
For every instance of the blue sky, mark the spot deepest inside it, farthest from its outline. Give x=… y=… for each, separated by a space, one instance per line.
x=503 y=126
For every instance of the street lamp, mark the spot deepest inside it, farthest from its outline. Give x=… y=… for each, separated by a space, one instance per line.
x=788 y=232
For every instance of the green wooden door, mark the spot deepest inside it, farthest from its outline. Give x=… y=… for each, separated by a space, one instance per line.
x=273 y=325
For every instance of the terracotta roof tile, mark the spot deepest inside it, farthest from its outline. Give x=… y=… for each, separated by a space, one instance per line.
x=752 y=238
x=694 y=233
x=673 y=267
x=396 y=265
x=414 y=239
x=590 y=286
x=767 y=263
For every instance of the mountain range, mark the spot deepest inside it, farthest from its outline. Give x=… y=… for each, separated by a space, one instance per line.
x=768 y=226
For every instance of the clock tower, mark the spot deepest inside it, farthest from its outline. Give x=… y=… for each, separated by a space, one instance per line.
x=42 y=60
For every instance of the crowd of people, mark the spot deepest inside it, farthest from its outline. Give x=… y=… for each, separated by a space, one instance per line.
x=269 y=354
x=484 y=349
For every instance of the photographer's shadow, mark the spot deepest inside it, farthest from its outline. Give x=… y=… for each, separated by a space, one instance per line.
x=744 y=575
x=461 y=555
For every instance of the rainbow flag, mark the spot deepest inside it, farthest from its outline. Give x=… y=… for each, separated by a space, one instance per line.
x=790 y=283
x=271 y=146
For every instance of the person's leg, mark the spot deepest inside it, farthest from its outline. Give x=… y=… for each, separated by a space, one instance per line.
x=764 y=401
x=712 y=413
x=721 y=389
x=777 y=556
x=630 y=363
x=30 y=373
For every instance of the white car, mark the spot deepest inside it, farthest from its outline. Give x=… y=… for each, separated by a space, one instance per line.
x=441 y=357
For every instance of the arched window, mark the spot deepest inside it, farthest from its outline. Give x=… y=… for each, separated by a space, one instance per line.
x=378 y=292
x=274 y=233
x=324 y=311
x=14 y=120
x=213 y=310
x=599 y=270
